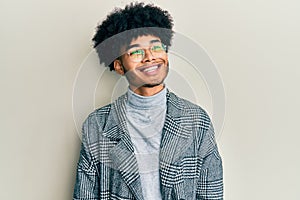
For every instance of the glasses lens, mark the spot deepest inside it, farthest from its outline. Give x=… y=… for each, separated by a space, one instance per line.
x=136 y=55
x=158 y=48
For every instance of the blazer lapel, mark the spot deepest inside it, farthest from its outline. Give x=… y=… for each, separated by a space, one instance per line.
x=175 y=141
x=122 y=155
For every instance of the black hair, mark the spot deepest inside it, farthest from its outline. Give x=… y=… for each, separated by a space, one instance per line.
x=121 y=26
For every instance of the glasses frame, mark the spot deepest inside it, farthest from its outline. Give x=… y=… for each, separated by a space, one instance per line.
x=154 y=54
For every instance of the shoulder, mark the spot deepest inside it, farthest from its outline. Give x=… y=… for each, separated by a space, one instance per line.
x=99 y=114
x=103 y=116
x=185 y=107
x=95 y=123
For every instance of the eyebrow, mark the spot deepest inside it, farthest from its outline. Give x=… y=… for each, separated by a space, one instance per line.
x=138 y=45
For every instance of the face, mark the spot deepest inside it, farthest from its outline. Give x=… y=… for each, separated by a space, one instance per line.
x=144 y=63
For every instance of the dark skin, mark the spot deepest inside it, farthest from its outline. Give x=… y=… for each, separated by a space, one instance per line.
x=146 y=77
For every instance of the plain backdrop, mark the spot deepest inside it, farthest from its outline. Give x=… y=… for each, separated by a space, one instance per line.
x=254 y=44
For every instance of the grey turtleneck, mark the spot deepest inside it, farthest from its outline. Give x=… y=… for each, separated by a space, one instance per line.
x=145 y=120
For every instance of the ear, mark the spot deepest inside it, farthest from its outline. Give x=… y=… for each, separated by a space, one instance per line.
x=118 y=67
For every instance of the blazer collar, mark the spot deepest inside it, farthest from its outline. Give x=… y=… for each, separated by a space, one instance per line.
x=116 y=125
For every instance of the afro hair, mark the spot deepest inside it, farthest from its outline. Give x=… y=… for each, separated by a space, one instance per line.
x=122 y=26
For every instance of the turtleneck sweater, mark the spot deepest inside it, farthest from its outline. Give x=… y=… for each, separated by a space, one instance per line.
x=145 y=120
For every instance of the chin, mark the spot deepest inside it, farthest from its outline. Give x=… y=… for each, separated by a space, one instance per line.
x=151 y=85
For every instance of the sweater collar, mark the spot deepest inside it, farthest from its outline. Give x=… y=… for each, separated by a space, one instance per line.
x=147 y=102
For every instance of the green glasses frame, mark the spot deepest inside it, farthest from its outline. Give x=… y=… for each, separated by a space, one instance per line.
x=138 y=54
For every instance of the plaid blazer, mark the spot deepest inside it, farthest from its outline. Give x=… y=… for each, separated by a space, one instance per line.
x=190 y=166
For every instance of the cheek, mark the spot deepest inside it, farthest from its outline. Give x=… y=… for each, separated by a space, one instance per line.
x=165 y=58
x=128 y=66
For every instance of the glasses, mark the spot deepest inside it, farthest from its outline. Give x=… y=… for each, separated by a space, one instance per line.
x=138 y=54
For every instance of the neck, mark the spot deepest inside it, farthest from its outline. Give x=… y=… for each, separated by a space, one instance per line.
x=147 y=102
x=147 y=91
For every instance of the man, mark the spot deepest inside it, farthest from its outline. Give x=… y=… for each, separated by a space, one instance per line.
x=149 y=144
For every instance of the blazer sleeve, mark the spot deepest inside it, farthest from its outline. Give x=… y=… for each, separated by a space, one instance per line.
x=87 y=183
x=210 y=183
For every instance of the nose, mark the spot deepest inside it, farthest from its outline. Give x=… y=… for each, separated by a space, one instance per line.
x=148 y=56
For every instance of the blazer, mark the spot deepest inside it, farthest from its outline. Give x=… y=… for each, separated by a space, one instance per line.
x=190 y=166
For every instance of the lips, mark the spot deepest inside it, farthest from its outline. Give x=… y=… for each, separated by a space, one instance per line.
x=149 y=68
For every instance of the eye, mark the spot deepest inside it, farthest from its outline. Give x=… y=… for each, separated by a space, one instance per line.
x=136 y=52
x=157 y=48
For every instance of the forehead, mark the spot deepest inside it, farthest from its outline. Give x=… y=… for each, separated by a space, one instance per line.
x=144 y=40
x=140 y=41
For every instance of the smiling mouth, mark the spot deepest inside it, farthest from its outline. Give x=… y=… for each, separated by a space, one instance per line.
x=150 y=69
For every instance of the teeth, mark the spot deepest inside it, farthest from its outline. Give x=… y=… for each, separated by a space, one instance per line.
x=151 y=68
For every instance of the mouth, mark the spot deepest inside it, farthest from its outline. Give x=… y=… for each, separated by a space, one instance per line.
x=150 y=69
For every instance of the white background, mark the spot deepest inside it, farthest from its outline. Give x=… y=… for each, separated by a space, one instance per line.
x=255 y=45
